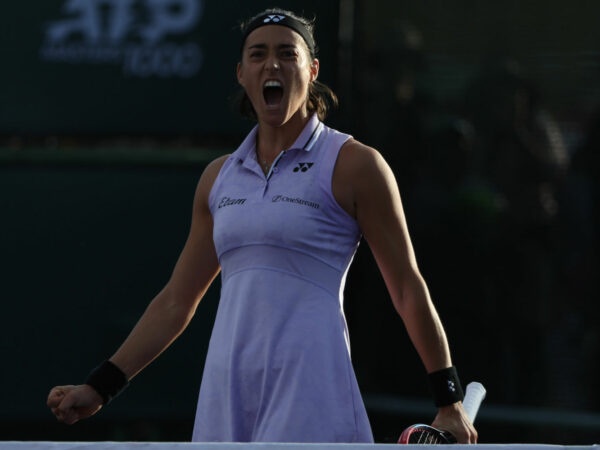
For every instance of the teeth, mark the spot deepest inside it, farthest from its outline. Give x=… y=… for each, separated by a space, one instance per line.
x=272 y=83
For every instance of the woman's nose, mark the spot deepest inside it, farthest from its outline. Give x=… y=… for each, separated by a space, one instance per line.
x=273 y=64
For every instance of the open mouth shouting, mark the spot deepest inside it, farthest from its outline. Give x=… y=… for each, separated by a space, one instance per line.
x=272 y=93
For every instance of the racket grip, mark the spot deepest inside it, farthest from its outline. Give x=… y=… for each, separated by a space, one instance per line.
x=474 y=395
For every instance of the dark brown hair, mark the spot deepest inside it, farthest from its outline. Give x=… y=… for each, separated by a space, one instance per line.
x=320 y=96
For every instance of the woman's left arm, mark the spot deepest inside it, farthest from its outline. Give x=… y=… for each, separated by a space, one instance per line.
x=365 y=186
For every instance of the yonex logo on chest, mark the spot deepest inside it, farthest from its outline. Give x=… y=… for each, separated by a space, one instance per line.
x=303 y=166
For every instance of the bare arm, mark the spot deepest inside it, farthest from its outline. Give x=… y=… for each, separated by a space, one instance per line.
x=167 y=315
x=365 y=186
x=170 y=312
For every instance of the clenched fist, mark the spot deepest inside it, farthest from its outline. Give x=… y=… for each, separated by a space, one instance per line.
x=72 y=403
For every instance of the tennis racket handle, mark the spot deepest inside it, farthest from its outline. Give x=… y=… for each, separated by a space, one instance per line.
x=474 y=395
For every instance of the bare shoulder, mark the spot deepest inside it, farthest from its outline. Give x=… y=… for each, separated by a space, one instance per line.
x=357 y=169
x=355 y=155
x=359 y=164
x=208 y=178
x=213 y=168
x=210 y=173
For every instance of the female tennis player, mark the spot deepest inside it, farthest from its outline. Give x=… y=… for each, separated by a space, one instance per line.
x=280 y=219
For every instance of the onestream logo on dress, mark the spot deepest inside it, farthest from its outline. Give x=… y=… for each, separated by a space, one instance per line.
x=145 y=37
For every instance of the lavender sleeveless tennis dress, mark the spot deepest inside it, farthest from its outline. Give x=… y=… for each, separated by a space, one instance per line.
x=278 y=367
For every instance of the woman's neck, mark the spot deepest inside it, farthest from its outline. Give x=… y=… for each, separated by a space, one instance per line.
x=272 y=140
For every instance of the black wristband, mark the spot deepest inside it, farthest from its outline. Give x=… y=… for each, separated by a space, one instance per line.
x=445 y=387
x=108 y=380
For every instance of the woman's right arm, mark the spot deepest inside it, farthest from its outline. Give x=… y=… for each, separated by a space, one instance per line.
x=166 y=316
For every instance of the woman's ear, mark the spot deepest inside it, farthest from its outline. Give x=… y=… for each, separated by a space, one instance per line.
x=239 y=73
x=314 y=69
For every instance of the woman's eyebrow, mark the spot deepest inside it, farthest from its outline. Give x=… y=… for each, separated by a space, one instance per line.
x=257 y=46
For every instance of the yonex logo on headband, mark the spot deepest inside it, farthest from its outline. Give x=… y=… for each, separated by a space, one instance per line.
x=284 y=20
x=273 y=18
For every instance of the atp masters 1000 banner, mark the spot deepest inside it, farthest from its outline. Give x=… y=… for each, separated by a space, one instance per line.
x=131 y=66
